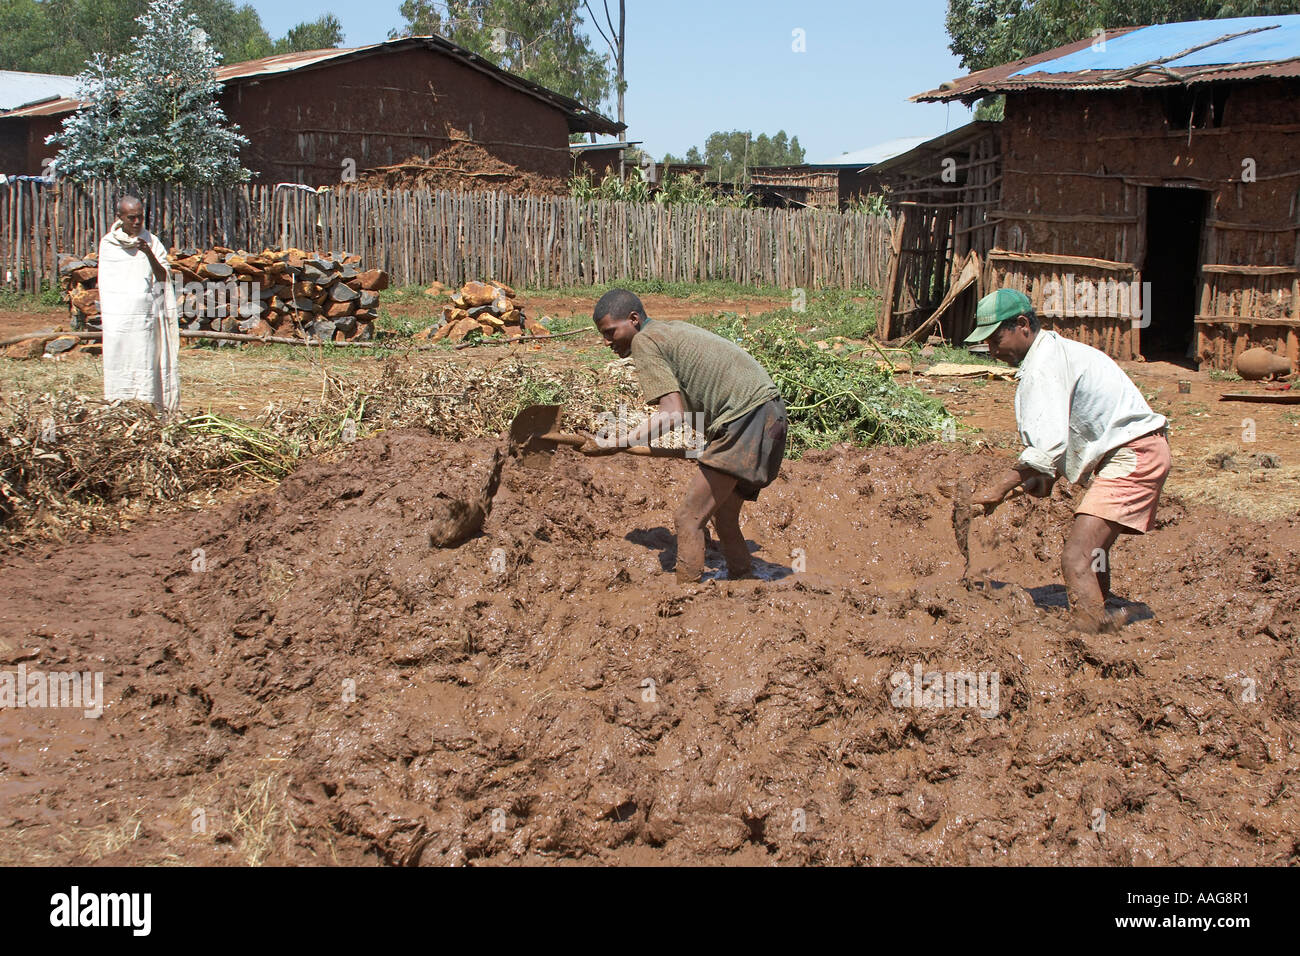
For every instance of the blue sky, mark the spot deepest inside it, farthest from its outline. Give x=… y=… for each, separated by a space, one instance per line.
x=696 y=67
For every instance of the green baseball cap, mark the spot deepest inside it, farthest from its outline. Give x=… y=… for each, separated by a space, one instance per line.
x=994 y=309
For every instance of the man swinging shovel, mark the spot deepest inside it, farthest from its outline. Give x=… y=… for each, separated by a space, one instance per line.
x=687 y=370
x=1079 y=416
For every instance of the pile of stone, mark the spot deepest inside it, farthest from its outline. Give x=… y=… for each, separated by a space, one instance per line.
x=489 y=308
x=288 y=293
x=50 y=345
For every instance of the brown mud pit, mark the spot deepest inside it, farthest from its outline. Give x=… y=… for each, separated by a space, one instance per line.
x=331 y=689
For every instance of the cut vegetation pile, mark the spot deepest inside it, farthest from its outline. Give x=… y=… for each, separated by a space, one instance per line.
x=73 y=463
x=833 y=398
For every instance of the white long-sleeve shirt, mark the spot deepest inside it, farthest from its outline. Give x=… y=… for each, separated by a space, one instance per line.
x=1074 y=405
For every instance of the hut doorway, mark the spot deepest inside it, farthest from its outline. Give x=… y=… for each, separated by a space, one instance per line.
x=1175 y=218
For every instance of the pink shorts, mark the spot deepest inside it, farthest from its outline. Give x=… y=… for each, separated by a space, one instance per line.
x=1126 y=484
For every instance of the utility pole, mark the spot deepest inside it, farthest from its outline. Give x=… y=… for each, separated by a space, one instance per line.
x=616 y=40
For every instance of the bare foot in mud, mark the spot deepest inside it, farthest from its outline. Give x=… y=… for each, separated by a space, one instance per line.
x=745 y=573
x=1099 y=622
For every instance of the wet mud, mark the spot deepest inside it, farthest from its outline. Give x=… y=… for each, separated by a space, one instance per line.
x=453 y=521
x=303 y=678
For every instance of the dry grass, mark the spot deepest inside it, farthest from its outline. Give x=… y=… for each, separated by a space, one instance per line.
x=297 y=399
x=30 y=846
x=72 y=845
x=82 y=374
x=238 y=382
x=74 y=463
x=68 y=462
x=109 y=838
x=85 y=844
x=249 y=817
x=258 y=818
x=1259 y=493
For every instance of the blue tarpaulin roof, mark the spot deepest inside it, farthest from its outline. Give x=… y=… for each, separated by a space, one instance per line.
x=1166 y=39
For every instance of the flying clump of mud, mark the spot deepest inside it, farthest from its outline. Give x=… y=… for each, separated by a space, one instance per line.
x=453 y=521
x=540 y=688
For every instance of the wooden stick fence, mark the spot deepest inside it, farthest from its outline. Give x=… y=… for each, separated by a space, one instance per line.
x=418 y=235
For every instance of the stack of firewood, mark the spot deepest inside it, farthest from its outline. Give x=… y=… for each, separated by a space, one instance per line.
x=287 y=294
x=486 y=307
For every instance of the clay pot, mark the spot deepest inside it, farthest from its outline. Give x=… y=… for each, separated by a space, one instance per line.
x=1254 y=364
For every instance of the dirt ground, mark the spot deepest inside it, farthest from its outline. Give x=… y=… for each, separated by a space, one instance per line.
x=1204 y=430
x=580 y=307
x=297 y=676
x=331 y=689
x=242 y=382
x=656 y=306
x=19 y=321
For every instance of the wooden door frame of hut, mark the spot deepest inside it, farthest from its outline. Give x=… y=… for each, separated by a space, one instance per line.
x=1146 y=270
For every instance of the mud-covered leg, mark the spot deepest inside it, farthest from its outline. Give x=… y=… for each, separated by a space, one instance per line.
x=727 y=523
x=1089 y=535
x=708 y=490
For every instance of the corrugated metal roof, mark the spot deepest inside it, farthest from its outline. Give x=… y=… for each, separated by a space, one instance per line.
x=582 y=119
x=286 y=62
x=1165 y=54
x=855 y=160
x=924 y=152
x=597 y=147
x=56 y=107
x=18 y=88
x=875 y=154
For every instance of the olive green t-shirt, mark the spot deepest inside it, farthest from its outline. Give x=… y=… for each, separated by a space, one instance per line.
x=714 y=376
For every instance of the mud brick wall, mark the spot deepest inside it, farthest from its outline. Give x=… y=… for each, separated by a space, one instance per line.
x=384 y=108
x=22 y=144
x=376 y=110
x=1075 y=168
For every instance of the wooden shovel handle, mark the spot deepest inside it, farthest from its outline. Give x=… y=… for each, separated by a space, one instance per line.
x=655 y=452
x=561 y=438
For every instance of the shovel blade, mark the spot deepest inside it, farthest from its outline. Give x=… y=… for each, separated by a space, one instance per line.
x=526 y=433
x=962 y=512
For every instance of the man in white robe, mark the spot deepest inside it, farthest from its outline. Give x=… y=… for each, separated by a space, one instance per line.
x=138 y=308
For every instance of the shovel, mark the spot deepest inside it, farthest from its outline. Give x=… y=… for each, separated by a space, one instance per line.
x=535 y=434
x=962 y=512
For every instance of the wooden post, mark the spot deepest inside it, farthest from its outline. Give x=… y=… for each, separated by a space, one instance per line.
x=891 y=278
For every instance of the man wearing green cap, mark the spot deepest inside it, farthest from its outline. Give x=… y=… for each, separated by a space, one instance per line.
x=1079 y=416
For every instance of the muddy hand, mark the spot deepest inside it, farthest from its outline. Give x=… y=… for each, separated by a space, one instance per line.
x=986 y=502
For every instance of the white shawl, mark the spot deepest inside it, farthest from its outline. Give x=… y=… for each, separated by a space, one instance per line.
x=141 y=327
